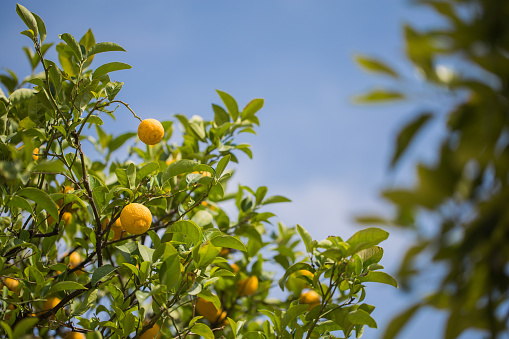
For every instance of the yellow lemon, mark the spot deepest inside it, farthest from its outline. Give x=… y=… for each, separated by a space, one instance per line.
x=136 y=218
x=67 y=218
x=116 y=228
x=35 y=155
x=152 y=333
x=208 y=310
x=150 y=131
x=235 y=268
x=248 y=286
x=74 y=335
x=12 y=284
x=310 y=297
x=50 y=303
x=75 y=260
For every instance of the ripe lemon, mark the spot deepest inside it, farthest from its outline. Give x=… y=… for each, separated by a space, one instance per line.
x=75 y=260
x=116 y=228
x=12 y=284
x=136 y=218
x=75 y=335
x=235 y=268
x=310 y=297
x=224 y=251
x=150 y=131
x=35 y=155
x=248 y=286
x=67 y=218
x=209 y=311
x=152 y=333
x=50 y=303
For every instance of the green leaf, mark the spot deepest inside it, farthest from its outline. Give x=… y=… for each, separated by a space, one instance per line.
x=229 y=242
x=102 y=47
x=366 y=238
x=23 y=326
x=202 y=330
x=41 y=198
x=188 y=228
x=20 y=203
x=41 y=27
x=251 y=108
x=293 y=312
x=406 y=135
x=378 y=96
x=146 y=170
x=66 y=286
x=178 y=167
x=169 y=273
x=27 y=18
x=94 y=119
x=294 y=268
x=205 y=254
x=88 y=301
x=399 y=321
x=109 y=67
x=221 y=165
x=230 y=103
x=118 y=141
x=73 y=44
x=379 y=277
x=371 y=255
x=275 y=199
x=361 y=317
x=55 y=166
x=220 y=115
x=20 y=95
x=374 y=65
x=308 y=241
x=101 y=272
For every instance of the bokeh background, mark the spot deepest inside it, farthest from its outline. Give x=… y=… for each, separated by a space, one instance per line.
x=330 y=156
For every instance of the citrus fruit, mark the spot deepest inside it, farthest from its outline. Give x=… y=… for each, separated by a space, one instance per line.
x=74 y=335
x=67 y=218
x=116 y=228
x=310 y=297
x=35 y=155
x=152 y=333
x=50 y=303
x=248 y=286
x=235 y=268
x=150 y=131
x=75 y=260
x=12 y=284
x=209 y=311
x=136 y=218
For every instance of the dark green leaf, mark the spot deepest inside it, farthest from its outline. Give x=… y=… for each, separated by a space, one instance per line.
x=399 y=321
x=188 y=228
x=102 y=47
x=202 y=330
x=361 y=317
x=73 y=44
x=42 y=199
x=101 y=272
x=66 y=286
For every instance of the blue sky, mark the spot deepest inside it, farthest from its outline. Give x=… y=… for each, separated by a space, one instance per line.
x=328 y=155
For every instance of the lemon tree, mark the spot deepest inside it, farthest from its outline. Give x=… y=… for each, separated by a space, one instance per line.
x=103 y=248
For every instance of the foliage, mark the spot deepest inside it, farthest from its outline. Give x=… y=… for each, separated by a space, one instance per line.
x=77 y=269
x=465 y=190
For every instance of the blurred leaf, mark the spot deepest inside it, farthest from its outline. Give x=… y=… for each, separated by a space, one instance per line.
x=406 y=135
x=374 y=65
x=377 y=96
x=399 y=321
